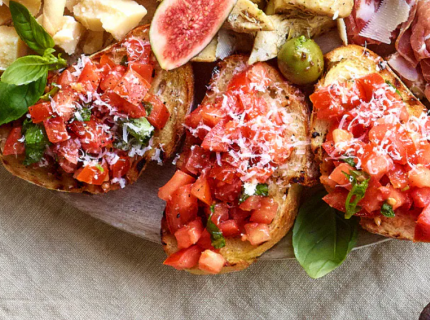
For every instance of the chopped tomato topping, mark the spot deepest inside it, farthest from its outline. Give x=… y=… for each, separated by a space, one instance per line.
x=132 y=87
x=138 y=51
x=220 y=214
x=229 y=228
x=66 y=79
x=201 y=190
x=181 y=208
x=184 y=259
x=56 y=130
x=251 y=203
x=13 y=146
x=94 y=174
x=63 y=103
x=112 y=78
x=211 y=262
x=121 y=167
x=92 y=134
x=257 y=233
x=422 y=228
x=144 y=70
x=159 y=114
x=189 y=234
x=40 y=112
x=266 y=212
x=179 y=179
x=90 y=77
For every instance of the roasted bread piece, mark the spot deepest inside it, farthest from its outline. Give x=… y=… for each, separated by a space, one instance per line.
x=347 y=63
x=283 y=185
x=174 y=88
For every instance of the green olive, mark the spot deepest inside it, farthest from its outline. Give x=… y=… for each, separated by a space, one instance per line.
x=301 y=60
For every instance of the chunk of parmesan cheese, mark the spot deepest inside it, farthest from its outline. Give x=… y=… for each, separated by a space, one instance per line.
x=32 y=5
x=67 y=38
x=115 y=16
x=11 y=46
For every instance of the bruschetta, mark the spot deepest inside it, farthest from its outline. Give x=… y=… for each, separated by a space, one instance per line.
x=103 y=120
x=236 y=193
x=370 y=136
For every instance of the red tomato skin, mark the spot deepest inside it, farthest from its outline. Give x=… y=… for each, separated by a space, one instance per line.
x=196 y=160
x=370 y=83
x=111 y=79
x=121 y=167
x=189 y=234
x=228 y=192
x=182 y=208
x=422 y=228
x=66 y=79
x=12 y=145
x=90 y=77
x=211 y=262
x=251 y=203
x=40 y=112
x=419 y=177
x=205 y=241
x=64 y=102
x=184 y=259
x=257 y=233
x=201 y=190
x=225 y=173
x=146 y=71
x=421 y=197
x=211 y=115
x=56 y=130
x=398 y=176
x=267 y=211
x=159 y=114
x=132 y=87
x=68 y=154
x=178 y=180
x=138 y=51
x=338 y=175
x=229 y=228
x=373 y=198
x=106 y=61
x=400 y=198
x=92 y=174
x=220 y=214
x=337 y=199
x=213 y=140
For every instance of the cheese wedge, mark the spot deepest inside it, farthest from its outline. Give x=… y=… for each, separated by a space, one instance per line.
x=32 y=5
x=115 y=16
x=67 y=38
x=11 y=46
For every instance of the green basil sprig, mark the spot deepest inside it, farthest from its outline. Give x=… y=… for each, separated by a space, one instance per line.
x=35 y=142
x=358 y=191
x=217 y=238
x=387 y=211
x=322 y=238
x=23 y=82
x=262 y=189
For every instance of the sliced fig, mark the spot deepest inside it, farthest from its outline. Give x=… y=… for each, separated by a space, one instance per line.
x=181 y=29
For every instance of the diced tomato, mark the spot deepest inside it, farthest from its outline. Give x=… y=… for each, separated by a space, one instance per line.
x=159 y=113
x=205 y=241
x=257 y=233
x=337 y=199
x=67 y=166
x=146 y=71
x=214 y=139
x=239 y=83
x=398 y=176
x=64 y=102
x=189 y=234
x=90 y=77
x=211 y=262
x=327 y=182
x=211 y=115
x=267 y=211
x=68 y=154
x=132 y=88
x=225 y=173
x=184 y=259
x=258 y=76
x=239 y=215
x=120 y=168
x=419 y=177
x=105 y=60
x=194 y=120
x=228 y=192
x=373 y=198
x=201 y=190
x=338 y=175
x=251 y=203
x=179 y=179
x=40 y=112
x=197 y=160
x=423 y=153
x=138 y=51
x=421 y=197
x=66 y=79
x=229 y=228
x=376 y=164
x=395 y=198
x=220 y=214
x=92 y=135
x=13 y=146
x=370 y=83
x=56 y=130
x=94 y=174
x=111 y=79
x=422 y=228
x=181 y=208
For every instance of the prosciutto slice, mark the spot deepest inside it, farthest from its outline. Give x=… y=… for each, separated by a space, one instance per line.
x=420 y=35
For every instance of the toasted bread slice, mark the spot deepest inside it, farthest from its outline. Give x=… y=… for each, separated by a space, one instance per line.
x=350 y=62
x=175 y=88
x=240 y=254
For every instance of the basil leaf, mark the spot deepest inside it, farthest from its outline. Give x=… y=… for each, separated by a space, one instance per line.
x=25 y=70
x=85 y=114
x=35 y=143
x=141 y=129
x=357 y=192
x=322 y=238
x=349 y=161
x=387 y=211
x=47 y=96
x=29 y=30
x=217 y=238
x=15 y=100
x=148 y=107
